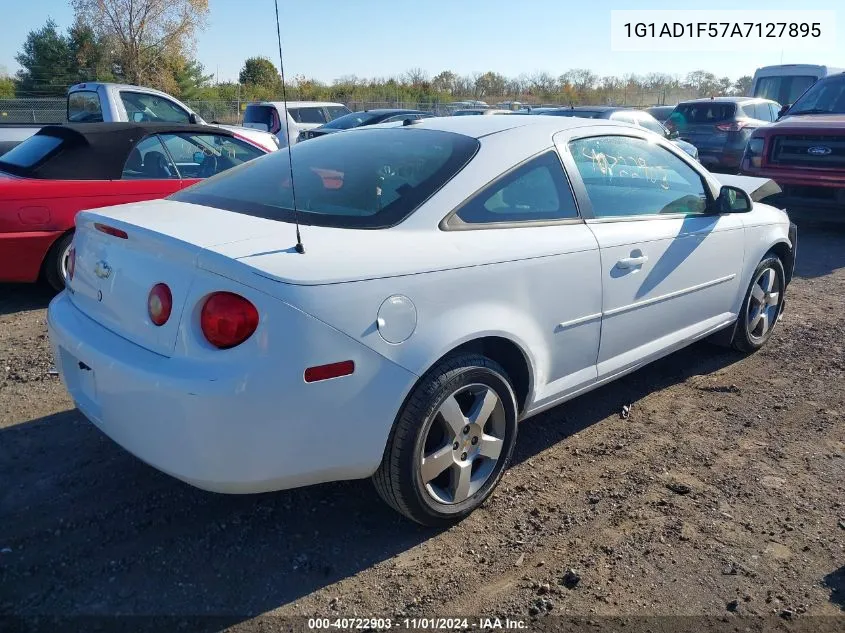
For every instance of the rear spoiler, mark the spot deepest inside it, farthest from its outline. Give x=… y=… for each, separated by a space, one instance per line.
x=757 y=188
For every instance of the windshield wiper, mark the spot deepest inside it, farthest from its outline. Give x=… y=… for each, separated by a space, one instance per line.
x=814 y=111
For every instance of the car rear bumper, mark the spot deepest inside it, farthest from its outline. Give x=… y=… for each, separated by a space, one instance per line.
x=232 y=428
x=21 y=254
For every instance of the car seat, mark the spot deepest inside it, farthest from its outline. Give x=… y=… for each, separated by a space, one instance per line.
x=156 y=165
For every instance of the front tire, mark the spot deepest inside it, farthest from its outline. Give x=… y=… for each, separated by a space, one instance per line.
x=762 y=306
x=451 y=441
x=55 y=264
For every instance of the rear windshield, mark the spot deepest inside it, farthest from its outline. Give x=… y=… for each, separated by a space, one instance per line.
x=368 y=178
x=349 y=121
x=83 y=106
x=705 y=112
x=32 y=151
x=784 y=89
x=308 y=115
x=259 y=114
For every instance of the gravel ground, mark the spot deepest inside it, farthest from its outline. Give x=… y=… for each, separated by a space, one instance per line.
x=721 y=494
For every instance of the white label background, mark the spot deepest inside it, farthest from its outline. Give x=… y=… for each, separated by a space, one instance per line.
x=619 y=40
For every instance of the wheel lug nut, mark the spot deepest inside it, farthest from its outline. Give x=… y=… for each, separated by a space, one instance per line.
x=463 y=456
x=474 y=441
x=466 y=429
x=455 y=445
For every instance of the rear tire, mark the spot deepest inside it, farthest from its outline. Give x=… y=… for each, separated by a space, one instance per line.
x=761 y=307
x=451 y=441
x=55 y=264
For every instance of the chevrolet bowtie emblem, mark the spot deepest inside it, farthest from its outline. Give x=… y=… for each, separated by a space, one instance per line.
x=102 y=270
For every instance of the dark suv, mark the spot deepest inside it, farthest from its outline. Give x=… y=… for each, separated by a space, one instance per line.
x=721 y=126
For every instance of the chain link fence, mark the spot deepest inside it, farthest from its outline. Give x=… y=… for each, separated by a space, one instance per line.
x=53 y=110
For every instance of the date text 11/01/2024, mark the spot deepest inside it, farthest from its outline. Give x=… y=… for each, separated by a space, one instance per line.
x=723 y=29
x=415 y=624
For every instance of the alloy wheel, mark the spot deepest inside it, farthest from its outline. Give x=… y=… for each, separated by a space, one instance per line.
x=463 y=444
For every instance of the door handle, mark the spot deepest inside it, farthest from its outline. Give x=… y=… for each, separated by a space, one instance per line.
x=632 y=262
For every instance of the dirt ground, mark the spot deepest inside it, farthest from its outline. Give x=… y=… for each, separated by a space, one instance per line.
x=722 y=494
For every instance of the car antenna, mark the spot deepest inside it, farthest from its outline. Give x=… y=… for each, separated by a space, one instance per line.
x=300 y=248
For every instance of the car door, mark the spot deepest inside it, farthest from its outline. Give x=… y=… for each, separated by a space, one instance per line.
x=669 y=264
x=533 y=205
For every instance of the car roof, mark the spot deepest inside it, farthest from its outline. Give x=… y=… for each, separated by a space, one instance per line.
x=98 y=151
x=389 y=111
x=723 y=100
x=481 y=126
x=295 y=104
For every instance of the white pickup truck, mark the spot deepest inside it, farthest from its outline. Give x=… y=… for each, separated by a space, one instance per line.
x=95 y=101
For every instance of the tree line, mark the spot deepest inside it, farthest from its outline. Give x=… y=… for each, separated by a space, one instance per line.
x=150 y=42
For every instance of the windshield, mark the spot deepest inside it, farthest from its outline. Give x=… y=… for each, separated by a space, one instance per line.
x=337 y=111
x=824 y=97
x=349 y=121
x=371 y=178
x=784 y=89
x=308 y=115
x=31 y=151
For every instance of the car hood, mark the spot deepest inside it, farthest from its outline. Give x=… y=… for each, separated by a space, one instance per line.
x=757 y=188
x=804 y=121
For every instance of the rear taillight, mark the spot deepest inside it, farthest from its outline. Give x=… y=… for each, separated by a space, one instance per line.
x=733 y=126
x=110 y=230
x=227 y=319
x=71 y=263
x=160 y=304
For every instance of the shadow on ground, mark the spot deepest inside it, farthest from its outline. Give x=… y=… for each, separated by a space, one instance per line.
x=835 y=581
x=95 y=531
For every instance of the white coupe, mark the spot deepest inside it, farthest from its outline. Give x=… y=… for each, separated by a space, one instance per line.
x=458 y=276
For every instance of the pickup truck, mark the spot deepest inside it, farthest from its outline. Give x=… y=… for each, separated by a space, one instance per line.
x=107 y=102
x=804 y=151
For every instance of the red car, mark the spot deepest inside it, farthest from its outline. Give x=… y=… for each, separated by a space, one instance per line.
x=64 y=169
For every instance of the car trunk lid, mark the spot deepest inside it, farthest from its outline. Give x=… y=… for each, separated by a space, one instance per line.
x=113 y=274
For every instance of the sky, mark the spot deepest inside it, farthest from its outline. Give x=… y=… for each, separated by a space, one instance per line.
x=381 y=38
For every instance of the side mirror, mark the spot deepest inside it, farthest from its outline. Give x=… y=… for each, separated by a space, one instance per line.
x=672 y=134
x=137 y=117
x=733 y=200
x=193 y=118
x=199 y=157
x=784 y=109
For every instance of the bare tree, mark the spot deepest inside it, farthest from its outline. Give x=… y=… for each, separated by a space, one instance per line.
x=144 y=32
x=415 y=76
x=542 y=84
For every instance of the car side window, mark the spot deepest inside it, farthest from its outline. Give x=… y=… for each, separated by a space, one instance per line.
x=628 y=176
x=148 y=107
x=205 y=155
x=149 y=160
x=762 y=112
x=400 y=117
x=535 y=191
